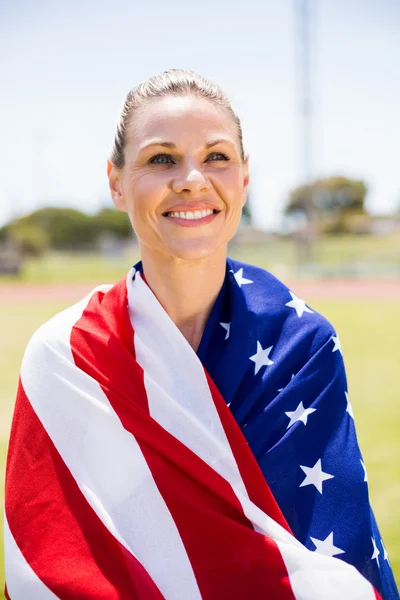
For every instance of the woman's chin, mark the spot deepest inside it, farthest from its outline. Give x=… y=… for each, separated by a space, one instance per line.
x=194 y=250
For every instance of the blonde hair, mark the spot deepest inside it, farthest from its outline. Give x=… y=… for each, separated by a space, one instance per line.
x=175 y=82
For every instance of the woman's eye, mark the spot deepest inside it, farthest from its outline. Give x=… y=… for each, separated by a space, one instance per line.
x=218 y=156
x=165 y=159
x=161 y=159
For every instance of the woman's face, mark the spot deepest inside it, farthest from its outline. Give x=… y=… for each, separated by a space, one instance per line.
x=183 y=183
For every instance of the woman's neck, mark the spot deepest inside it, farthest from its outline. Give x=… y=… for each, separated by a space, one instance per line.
x=187 y=290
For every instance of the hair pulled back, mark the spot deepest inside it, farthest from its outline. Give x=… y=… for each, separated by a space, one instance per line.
x=175 y=82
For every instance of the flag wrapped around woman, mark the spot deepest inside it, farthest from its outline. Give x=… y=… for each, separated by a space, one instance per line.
x=137 y=482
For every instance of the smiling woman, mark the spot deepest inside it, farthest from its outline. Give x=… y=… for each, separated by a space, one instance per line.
x=187 y=433
x=182 y=155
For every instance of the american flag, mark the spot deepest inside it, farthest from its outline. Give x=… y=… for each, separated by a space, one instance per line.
x=292 y=404
x=128 y=476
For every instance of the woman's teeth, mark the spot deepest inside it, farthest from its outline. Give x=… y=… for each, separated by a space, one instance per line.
x=197 y=214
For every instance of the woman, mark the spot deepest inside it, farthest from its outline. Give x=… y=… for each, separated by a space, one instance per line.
x=187 y=433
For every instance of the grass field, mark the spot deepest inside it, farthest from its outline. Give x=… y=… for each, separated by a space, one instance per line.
x=370 y=334
x=333 y=256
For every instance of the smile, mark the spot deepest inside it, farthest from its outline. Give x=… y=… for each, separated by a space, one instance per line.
x=197 y=214
x=192 y=218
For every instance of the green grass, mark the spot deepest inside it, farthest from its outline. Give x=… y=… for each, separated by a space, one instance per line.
x=62 y=267
x=370 y=334
x=333 y=256
x=340 y=256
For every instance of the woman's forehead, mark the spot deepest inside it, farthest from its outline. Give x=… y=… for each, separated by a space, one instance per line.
x=175 y=117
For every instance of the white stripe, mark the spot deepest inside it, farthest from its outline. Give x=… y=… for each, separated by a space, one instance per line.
x=180 y=400
x=314 y=576
x=22 y=581
x=177 y=390
x=104 y=459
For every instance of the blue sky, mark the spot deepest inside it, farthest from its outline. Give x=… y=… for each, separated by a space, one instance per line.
x=66 y=67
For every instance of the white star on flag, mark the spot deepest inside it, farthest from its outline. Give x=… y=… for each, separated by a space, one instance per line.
x=326 y=546
x=280 y=389
x=315 y=476
x=227 y=327
x=300 y=414
x=365 y=470
x=338 y=345
x=261 y=358
x=385 y=554
x=240 y=280
x=376 y=552
x=349 y=407
x=298 y=304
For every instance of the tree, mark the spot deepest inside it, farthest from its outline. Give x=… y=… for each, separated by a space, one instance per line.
x=66 y=228
x=25 y=238
x=333 y=201
x=115 y=222
x=30 y=239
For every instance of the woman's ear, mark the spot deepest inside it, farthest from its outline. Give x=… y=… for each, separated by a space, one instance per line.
x=114 y=181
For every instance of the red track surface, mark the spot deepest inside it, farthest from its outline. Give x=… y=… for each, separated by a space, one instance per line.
x=327 y=289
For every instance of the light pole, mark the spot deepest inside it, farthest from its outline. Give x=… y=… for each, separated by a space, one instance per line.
x=306 y=232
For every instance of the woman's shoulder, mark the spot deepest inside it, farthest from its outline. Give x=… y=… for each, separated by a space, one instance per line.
x=270 y=299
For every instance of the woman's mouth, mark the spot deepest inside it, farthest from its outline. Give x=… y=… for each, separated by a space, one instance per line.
x=192 y=218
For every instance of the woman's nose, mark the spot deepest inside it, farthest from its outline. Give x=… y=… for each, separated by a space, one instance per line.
x=190 y=179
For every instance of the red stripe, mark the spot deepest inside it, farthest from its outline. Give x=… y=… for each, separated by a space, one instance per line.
x=229 y=558
x=256 y=486
x=58 y=533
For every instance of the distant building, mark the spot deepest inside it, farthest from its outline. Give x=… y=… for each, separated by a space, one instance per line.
x=10 y=260
x=384 y=225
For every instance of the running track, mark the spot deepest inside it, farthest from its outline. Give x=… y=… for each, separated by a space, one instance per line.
x=321 y=289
